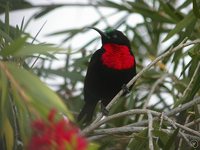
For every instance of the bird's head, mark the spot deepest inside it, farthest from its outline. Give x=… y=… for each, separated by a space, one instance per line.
x=116 y=50
x=113 y=36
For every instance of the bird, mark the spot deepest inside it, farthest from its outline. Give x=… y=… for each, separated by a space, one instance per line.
x=109 y=70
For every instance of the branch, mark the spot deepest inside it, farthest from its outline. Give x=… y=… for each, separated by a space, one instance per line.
x=119 y=130
x=141 y=111
x=174 y=111
x=99 y=133
x=192 y=123
x=118 y=115
x=181 y=139
x=183 y=107
x=172 y=50
x=160 y=80
x=189 y=88
x=174 y=124
x=96 y=137
x=150 y=129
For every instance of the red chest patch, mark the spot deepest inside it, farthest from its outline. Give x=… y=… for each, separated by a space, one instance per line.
x=117 y=57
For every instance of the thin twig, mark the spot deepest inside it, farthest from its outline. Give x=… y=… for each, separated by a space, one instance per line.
x=140 y=111
x=102 y=17
x=191 y=81
x=114 y=116
x=96 y=137
x=160 y=125
x=188 y=89
x=161 y=120
x=172 y=112
x=181 y=139
x=172 y=50
x=192 y=123
x=174 y=124
x=119 y=130
x=119 y=94
x=150 y=129
x=183 y=107
x=160 y=80
x=181 y=126
x=132 y=129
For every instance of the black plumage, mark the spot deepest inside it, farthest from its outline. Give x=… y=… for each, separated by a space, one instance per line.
x=107 y=73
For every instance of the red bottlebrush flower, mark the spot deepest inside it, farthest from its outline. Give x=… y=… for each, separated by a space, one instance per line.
x=56 y=135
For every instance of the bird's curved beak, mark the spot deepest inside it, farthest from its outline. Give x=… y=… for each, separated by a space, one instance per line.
x=103 y=35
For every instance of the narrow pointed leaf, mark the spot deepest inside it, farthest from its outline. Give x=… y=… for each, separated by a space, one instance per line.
x=196 y=9
x=180 y=26
x=13 y=47
x=9 y=134
x=36 y=94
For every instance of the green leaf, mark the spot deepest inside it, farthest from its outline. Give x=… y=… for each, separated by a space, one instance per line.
x=180 y=26
x=7 y=30
x=184 y=4
x=93 y=146
x=171 y=140
x=22 y=24
x=147 y=12
x=4 y=97
x=37 y=94
x=184 y=69
x=72 y=75
x=20 y=48
x=194 y=87
x=140 y=8
x=163 y=137
x=13 y=47
x=36 y=49
x=113 y=4
x=169 y=10
x=196 y=9
x=195 y=52
x=23 y=115
x=14 y=5
x=69 y=31
x=46 y=10
x=3 y=34
x=140 y=141
x=9 y=134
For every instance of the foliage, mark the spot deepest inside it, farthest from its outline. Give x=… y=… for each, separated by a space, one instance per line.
x=169 y=84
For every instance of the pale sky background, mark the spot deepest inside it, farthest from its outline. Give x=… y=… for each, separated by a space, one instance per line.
x=68 y=18
x=65 y=18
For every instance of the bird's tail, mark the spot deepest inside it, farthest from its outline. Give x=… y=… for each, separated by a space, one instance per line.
x=86 y=113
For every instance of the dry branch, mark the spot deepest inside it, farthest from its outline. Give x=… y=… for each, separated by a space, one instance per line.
x=98 y=120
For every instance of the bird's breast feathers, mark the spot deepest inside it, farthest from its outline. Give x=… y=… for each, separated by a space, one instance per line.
x=117 y=57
